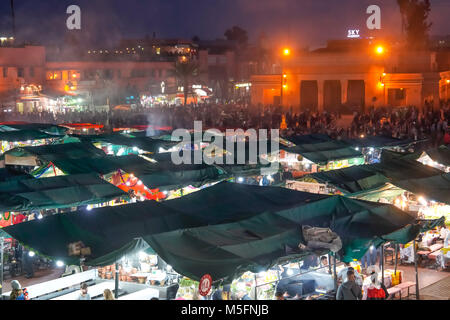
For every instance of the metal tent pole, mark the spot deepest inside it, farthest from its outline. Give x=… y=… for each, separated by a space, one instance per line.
x=382 y=263
x=2 y=240
x=256 y=288
x=116 y=289
x=329 y=263
x=396 y=259
x=417 y=272
x=334 y=271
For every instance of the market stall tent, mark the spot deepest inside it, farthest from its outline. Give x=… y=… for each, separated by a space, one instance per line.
x=31 y=155
x=56 y=192
x=236 y=170
x=24 y=135
x=324 y=152
x=365 y=177
x=224 y=230
x=309 y=138
x=437 y=157
x=379 y=142
x=165 y=175
x=436 y=188
x=148 y=144
x=8 y=174
x=386 y=191
x=43 y=127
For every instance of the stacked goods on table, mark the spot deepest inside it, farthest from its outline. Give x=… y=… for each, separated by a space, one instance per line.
x=356 y=265
x=391 y=279
x=109 y=272
x=396 y=278
x=187 y=289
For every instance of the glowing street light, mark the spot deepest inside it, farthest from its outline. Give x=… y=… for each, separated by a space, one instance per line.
x=286 y=53
x=379 y=49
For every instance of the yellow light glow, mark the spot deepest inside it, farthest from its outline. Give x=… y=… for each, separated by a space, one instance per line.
x=286 y=51
x=448 y=81
x=284 y=75
x=384 y=74
x=379 y=50
x=284 y=86
x=380 y=84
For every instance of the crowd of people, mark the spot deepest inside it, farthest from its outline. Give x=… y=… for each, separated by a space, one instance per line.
x=405 y=122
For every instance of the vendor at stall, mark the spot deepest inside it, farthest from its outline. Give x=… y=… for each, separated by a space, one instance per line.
x=324 y=265
x=342 y=275
x=447 y=238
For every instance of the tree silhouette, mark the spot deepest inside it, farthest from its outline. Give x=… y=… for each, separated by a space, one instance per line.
x=237 y=34
x=185 y=72
x=414 y=22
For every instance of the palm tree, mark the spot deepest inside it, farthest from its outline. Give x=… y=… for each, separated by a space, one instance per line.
x=185 y=71
x=13 y=19
x=403 y=4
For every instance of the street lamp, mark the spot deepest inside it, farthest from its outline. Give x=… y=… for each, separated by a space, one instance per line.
x=379 y=50
x=286 y=53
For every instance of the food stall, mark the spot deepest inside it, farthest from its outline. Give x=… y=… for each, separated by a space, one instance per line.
x=83 y=128
x=145 y=269
x=132 y=184
x=303 y=159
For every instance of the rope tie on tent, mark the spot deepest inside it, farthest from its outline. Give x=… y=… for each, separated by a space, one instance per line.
x=39 y=175
x=53 y=166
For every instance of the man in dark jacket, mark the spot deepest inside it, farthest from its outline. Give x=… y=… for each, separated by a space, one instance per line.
x=349 y=290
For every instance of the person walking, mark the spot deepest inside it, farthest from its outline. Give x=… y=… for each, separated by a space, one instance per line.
x=84 y=295
x=349 y=290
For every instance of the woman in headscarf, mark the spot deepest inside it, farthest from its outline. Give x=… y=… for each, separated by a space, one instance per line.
x=376 y=290
x=17 y=292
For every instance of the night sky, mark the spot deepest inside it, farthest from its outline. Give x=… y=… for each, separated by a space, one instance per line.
x=300 y=22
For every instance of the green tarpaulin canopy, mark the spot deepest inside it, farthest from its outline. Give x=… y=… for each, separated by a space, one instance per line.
x=154 y=175
x=241 y=170
x=8 y=174
x=56 y=192
x=309 y=138
x=435 y=188
x=365 y=177
x=147 y=144
x=379 y=142
x=388 y=155
x=44 y=127
x=440 y=155
x=223 y=230
x=58 y=151
x=24 y=135
x=324 y=152
x=386 y=191
x=169 y=176
x=104 y=165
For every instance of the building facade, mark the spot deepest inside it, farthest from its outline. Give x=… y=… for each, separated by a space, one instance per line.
x=352 y=79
